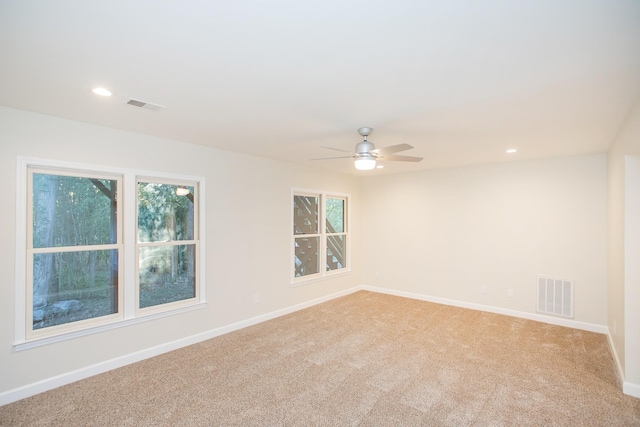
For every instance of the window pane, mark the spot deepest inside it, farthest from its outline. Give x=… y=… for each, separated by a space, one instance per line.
x=167 y=274
x=306 y=256
x=165 y=212
x=72 y=286
x=305 y=214
x=73 y=211
x=335 y=215
x=336 y=250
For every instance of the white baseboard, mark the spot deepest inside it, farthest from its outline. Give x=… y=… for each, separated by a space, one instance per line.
x=616 y=359
x=591 y=327
x=79 y=374
x=631 y=389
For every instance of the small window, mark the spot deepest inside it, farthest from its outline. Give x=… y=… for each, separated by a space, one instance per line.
x=336 y=235
x=167 y=243
x=306 y=230
x=320 y=232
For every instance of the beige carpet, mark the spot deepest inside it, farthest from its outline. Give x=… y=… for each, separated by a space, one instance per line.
x=365 y=359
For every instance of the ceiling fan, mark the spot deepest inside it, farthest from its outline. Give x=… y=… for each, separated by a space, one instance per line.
x=366 y=154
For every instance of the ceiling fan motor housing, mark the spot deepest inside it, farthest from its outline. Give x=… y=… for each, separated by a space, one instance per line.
x=364 y=147
x=366 y=154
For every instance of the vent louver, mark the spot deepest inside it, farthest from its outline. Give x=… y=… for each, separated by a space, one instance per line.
x=555 y=296
x=145 y=105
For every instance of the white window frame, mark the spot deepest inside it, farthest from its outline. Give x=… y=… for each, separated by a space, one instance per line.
x=24 y=335
x=196 y=242
x=31 y=333
x=322 y=235
x=345 y=232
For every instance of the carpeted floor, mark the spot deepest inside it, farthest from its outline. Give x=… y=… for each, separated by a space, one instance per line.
x=366 y=359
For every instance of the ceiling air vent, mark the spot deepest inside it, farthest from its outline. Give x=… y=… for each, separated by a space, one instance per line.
x=145 y=105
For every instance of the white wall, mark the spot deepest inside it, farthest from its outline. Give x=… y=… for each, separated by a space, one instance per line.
x=632 y=275
x=624 y=249
x=247 y=237
x=441 y=233
x=446 y=233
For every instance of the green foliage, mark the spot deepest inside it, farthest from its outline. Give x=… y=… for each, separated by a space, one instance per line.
x=167 y=271
x=335 y=215
x=70 y=211
x=82 y=211
x=162 y=214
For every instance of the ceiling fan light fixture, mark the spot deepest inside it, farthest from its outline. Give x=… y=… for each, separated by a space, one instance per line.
x=365 y=164
x=366 y=154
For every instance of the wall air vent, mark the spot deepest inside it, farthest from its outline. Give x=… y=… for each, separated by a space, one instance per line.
x=145 y=105
x=555 y=296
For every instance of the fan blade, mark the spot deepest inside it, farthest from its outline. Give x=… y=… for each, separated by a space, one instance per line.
x=338 y=149
x=391 y=149
x=395 y=158
x=329 y=158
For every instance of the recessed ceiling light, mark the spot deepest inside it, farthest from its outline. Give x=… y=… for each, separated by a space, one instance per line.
x=380 y=167
x=101 y=91
x=512 y=150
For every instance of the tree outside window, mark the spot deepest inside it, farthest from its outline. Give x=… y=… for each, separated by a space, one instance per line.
x=166 y=244
x=319 y=233
x=74 y=248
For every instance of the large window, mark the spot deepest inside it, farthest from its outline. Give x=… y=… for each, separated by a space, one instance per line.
x=320 y=235
x=74 y=248
x=72 y=273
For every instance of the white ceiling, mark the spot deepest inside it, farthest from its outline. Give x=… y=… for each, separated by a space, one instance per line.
x=459 y=80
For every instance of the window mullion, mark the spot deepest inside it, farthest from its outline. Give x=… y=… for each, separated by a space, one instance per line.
x=130 y=263
x=167 y=243
x=83 y=248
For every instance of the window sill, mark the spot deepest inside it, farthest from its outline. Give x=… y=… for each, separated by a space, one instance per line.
x=38 y=342
x=305 y=281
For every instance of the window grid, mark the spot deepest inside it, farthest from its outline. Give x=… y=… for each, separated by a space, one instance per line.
x=307 y=235
x=80 y=249
x=335 y=233
x=54 y=255
x=169 y=272
x=332 y=250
